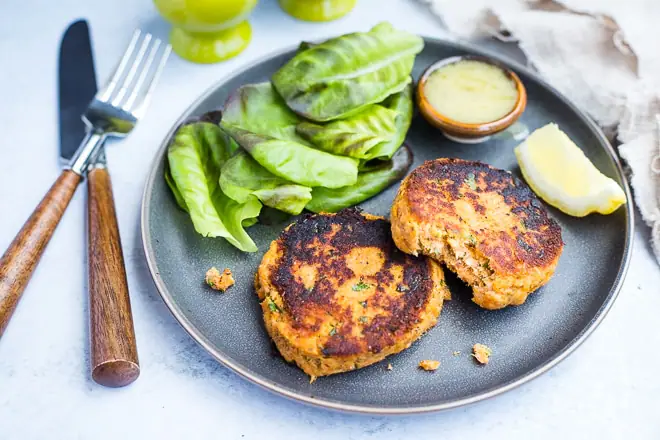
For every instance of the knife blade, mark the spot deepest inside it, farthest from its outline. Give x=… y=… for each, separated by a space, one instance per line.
x=77 y=86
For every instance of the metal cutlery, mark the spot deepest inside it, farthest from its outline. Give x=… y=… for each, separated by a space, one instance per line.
x=77 y=88
x=113 y=112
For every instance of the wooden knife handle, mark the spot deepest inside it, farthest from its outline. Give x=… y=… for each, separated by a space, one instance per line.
x=112 y=336
x=23 y=254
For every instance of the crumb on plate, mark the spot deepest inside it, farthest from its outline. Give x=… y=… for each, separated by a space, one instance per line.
x=389 y=367
x=429 y=365
x=456 y=353
x=219 y=281
x=481 y=353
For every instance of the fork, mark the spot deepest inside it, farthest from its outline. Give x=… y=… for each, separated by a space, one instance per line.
x=113 y=112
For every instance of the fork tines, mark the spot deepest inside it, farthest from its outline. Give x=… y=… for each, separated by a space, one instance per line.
x=137 y=73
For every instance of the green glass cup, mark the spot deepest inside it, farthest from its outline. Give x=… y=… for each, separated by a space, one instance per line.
x=317 y=10
x=207 y=31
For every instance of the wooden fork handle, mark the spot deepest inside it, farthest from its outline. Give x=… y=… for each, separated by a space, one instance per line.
x=23 y=254
x=112 y=336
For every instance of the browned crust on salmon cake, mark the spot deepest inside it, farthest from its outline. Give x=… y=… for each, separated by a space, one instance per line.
x=338 y=295
x=483 y=223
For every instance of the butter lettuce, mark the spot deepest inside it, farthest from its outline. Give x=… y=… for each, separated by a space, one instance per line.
x=376 y=132
x=402 y=104
x=343 y=75
x=306 y=140
x=259 y=109
x=242 y=178
x=195 y=157
x=296 y=162
x=259 y=121
x=355 y=136
x=376 y=177
x=175 y=191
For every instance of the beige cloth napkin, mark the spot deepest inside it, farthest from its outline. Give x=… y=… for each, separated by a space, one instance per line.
x=602 y=54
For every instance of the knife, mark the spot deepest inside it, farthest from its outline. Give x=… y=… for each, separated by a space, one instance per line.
x=77 y=86
x=113 y=349
x=76 y=90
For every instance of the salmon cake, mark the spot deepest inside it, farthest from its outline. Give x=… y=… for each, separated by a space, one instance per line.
x=483 y=223
x=338 y=295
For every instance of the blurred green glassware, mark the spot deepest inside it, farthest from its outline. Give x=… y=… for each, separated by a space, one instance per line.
x=207 y=31
x=317 y=10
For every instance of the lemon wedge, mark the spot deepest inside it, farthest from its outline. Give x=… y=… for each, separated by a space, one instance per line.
x=559 y=172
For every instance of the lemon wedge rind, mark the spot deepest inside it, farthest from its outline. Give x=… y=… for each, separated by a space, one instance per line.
x=559 y=172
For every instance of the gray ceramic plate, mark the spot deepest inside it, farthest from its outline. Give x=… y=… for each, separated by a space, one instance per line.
x=526 y=340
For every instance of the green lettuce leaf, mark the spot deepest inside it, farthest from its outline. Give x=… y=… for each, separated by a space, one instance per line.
x=355 y=136
x=251 y=221
x=195 y=157
x=242 y=177
x=371 y=182
x=343 y=75
x=236 y=217
x=304 y=45
x=296 y=162
x=259 y=109
x=402 y=104
x=175 y=191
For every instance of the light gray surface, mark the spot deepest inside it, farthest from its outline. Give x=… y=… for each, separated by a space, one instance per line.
x=606 y=390
x=526 y=339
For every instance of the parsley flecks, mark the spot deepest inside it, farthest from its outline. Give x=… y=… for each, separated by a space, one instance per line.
x=442 y=283
x=333 y=331
x=486 y=265
x=471 y=182
x=472 y=240
x=363 y=304
x=363 y=319
x=273 y=307
x=360 y=286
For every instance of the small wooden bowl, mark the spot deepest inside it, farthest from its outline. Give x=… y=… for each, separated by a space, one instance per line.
x=460 y=131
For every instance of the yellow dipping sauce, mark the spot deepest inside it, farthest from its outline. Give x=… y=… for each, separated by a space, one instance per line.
x=471 y=92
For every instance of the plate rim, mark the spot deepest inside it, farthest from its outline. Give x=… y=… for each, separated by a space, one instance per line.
x=219 y=356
